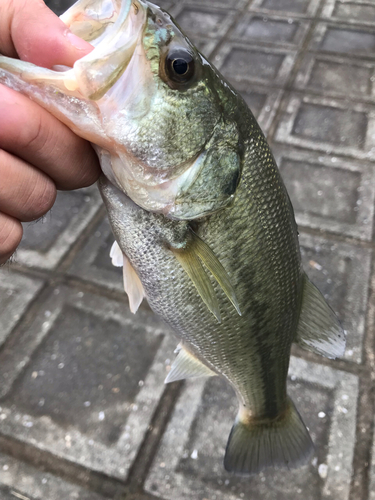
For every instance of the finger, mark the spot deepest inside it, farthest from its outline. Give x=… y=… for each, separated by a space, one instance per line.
x=25 y=192
x=30 y=132
x=10 y=236
x=31 y=31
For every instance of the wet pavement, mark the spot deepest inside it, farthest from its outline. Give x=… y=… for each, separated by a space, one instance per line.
x=84 y=413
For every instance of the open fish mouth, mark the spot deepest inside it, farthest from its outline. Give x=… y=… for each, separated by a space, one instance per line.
x=114 y=29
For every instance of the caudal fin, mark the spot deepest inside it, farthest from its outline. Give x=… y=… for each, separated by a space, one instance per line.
x=283 y=442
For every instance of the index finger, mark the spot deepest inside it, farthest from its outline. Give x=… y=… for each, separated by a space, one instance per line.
x=33 y=134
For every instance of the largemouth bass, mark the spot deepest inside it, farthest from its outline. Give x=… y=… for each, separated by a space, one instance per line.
x=204 y=227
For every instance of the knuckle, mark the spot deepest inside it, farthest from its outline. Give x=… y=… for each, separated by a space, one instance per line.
x=39 y=200
x=10 y=237
x=34 y=137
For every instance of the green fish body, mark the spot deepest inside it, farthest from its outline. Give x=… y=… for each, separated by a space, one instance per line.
x=204 y=225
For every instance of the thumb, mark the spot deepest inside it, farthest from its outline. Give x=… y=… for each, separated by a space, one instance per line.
x=31 y=31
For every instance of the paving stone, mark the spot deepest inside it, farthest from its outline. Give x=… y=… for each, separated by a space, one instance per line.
x=344 y=40
x=232 y=4
x=291 y=7
x=59 y=6
x=205 y=45
x=349 y=11
x=85 y=379
x=46 y=242
x=278 y=30
x=202 y=20
x=262 y=101
x=342 y=274
x=329 y=193
x=330 y=126
x=164 y=4
x=372 y=474
x=262 y=65
x=16 y=293
x=337 y=77
x=24 y=482
x=189 y=462
x=93 y=262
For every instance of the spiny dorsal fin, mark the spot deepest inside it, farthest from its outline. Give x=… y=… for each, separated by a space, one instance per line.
x=186 y=365
x=190 y=258
x=132 y=284
x=319 y=329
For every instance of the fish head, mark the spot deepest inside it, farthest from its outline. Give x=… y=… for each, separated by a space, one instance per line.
x=164 y=124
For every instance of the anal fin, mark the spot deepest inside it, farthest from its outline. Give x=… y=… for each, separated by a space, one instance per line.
x=319 y=329
x=186 y=365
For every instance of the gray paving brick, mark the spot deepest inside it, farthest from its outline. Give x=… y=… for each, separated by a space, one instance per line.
x=205 y=45
x=342 y=274
x=164 y=4
x=337 y=77
x=261 y=65
x=16 y=293
x=46 y=242
x=291 y=7
x=329 y=193
x=348 y=40
x=330 y=126
x=189 y=462
x=362 y=12
x=232 y=4
x=372 y=474
x=24 y=482
x=202 y=19
x=85 y=380
x=281 y=31
x=59 y=6
x=93 y=262
x=262 y=101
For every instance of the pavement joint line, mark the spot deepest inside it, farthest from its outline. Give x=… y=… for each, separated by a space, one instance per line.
x=142 y=463
x=69 y=471
x=293 y=74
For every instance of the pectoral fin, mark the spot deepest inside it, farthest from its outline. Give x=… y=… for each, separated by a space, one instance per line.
x=132 y=284
x=319 y=329
x=194 y=269
x=186 y=365
x=191 y=258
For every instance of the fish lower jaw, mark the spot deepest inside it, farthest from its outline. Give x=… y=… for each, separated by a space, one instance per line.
x=148 y=193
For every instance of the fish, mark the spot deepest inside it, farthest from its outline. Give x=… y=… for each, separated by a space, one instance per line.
x=204 y=228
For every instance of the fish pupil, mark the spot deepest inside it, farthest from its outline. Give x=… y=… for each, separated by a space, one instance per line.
x=180 y=66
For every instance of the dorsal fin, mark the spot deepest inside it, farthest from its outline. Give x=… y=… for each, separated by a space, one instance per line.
x=186 y=365
x=319 y=329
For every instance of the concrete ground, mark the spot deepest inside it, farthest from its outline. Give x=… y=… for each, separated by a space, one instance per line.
x=84 y=412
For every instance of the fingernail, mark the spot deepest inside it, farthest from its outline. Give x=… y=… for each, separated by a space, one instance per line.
x=78 y=43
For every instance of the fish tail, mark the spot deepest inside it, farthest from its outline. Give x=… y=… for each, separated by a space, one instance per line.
x=282 y=442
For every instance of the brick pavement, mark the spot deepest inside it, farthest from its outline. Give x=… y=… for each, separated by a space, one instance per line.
x=84 y=413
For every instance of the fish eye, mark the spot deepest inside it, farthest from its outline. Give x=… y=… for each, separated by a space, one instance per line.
x=180 y=66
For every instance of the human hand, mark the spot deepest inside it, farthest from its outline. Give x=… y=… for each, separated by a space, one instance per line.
x=38 y=154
